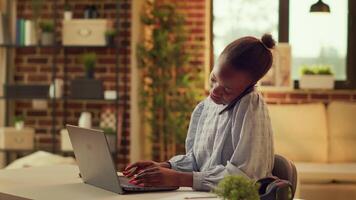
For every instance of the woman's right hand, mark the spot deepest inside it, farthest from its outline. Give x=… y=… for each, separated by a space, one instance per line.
x=137 y=167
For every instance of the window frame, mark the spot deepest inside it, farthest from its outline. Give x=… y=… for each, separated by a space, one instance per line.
x=283 y=36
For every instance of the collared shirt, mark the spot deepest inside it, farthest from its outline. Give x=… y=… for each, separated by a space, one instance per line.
x=239 y=141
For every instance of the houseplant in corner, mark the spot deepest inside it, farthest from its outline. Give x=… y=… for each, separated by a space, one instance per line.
x=89 y=62
x=237 y=188
x=316 y=77
x=47 y=32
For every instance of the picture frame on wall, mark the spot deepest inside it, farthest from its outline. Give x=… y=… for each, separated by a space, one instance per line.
x=279 y=76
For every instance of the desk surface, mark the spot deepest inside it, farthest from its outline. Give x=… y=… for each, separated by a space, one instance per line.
x=62 y=182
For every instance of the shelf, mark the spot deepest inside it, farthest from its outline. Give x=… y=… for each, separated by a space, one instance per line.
x=55 y=46
x=58 y=99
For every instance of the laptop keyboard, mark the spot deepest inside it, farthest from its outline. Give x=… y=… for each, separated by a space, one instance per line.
x=124 y=182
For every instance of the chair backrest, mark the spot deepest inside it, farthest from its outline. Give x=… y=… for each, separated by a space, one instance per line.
x=285 y=170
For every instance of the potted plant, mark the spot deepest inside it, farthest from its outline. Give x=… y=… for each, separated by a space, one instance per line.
x=19 y=122
x=237 y=188
x=110 y=135
x=109 y=36
x=68 y=14
x=316 y=77
x=47 y=35
x=89 y=61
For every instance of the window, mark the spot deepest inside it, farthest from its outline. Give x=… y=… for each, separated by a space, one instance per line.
x=233 y=19
x=318 y=39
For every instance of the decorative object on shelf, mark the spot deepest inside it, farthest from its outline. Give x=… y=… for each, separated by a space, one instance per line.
x=85 y=120
x=316 y=77
x=66 y=145
x=108 y=118
x=89 y=62
x=56 y=88
x=320 y=6
x=110 y=94
x=14 y=139
x=19 y=122
x=68 y=14
x=110 y=36
x=83 y=88
x=237 y=188
x=47 y=32
x=110 y=135
x=279 y=76
x=84 y=32
x=26 y=91
x=170 y=87
x=91 y=12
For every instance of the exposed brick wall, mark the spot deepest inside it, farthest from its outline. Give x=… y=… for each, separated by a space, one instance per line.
x=33 y=65
x=305 y=96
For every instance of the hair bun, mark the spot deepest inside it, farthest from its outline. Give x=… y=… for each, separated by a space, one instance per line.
x=268 y=41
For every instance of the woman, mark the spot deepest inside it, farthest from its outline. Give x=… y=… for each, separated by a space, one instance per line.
x=230 y=131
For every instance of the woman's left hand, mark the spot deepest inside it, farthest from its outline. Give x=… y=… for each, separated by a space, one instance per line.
x=157 y=176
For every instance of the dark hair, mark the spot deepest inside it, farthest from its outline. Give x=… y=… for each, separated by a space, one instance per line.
x=251 y=55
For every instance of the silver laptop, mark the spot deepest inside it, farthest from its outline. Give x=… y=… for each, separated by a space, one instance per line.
x=96 y=165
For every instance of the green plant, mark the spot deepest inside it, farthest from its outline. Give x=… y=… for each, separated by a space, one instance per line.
x=47 y=26
x=237 y=188
x=316 y=70
x=110 y=32
x=324 y=70
x=67 y=7
x=307 y=71
x=89 y=61
x=19 y=118
x=170 y=87
x=108 y=131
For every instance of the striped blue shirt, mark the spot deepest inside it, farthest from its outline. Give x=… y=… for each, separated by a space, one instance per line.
x=237 y=142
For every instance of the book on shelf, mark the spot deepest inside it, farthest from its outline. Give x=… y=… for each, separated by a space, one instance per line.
x=25 y=32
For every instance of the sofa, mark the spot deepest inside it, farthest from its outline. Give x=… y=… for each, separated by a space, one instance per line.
x=321 y=140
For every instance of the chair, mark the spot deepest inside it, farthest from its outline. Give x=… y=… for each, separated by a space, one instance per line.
x=285 y=170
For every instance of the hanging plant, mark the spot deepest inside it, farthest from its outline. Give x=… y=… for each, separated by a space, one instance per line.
x=169 y=88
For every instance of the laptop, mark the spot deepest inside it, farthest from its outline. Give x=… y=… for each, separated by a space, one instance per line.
x=96 y=165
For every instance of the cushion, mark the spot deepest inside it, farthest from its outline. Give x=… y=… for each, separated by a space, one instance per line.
x=326 y=172
x=342 y=131
x=300 y=131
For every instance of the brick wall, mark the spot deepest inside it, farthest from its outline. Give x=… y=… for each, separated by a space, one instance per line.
x=33 y=65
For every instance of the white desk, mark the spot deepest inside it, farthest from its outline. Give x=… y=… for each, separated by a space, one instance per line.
x=62 y=183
